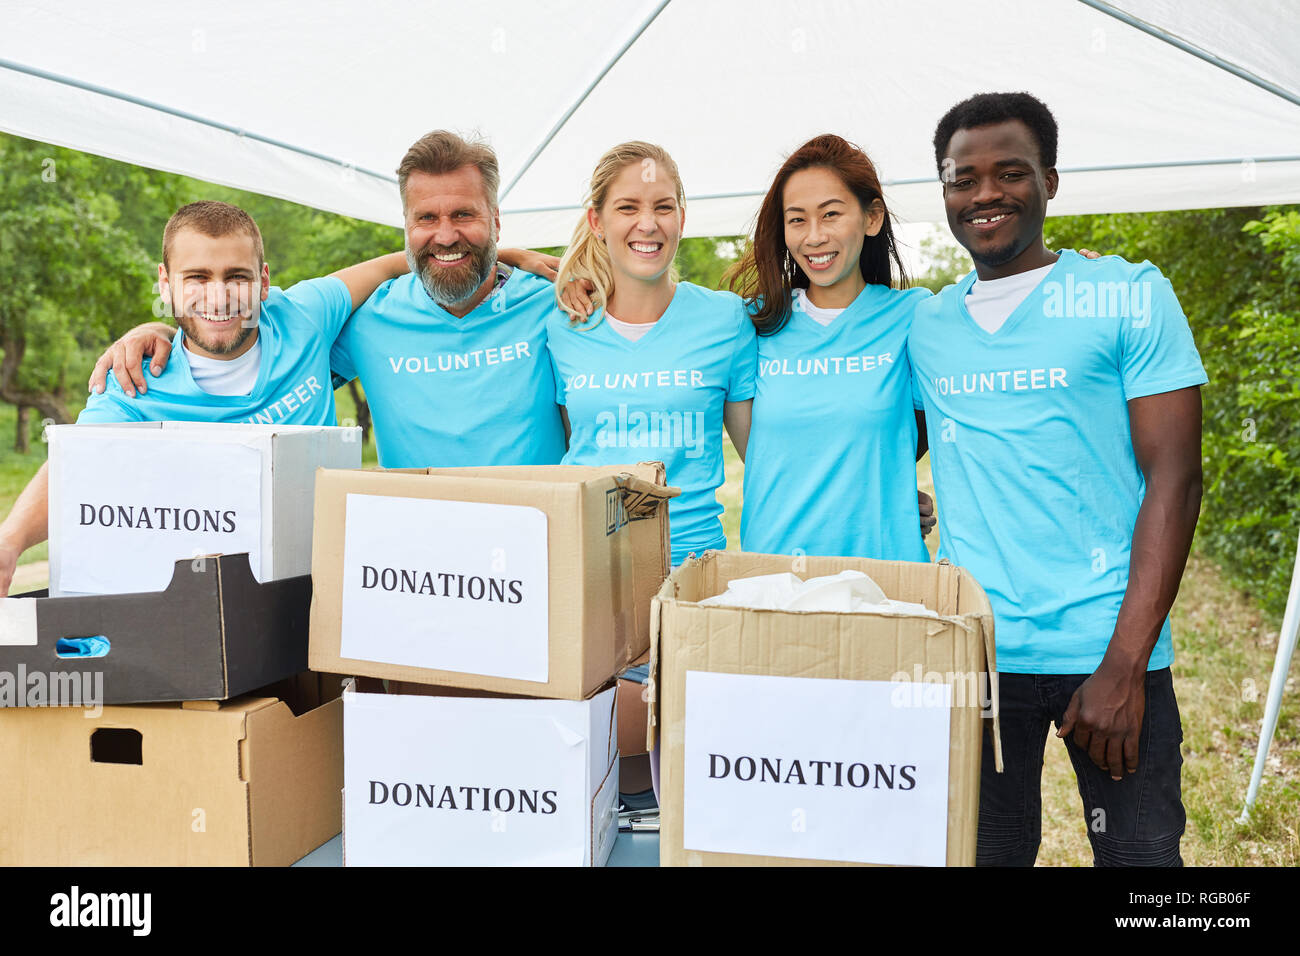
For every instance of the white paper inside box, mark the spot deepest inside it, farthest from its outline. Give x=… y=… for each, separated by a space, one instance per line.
x=820 y=737
x=456 y=777
x=157 y=492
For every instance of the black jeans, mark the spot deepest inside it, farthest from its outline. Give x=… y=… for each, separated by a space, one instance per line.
x=1137 y=821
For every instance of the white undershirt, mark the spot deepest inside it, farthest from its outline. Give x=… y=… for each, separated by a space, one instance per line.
x=632 y=331
x=990 y=302
x=820 y=316
x=237 y=376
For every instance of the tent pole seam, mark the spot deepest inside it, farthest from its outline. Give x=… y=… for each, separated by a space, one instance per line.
x=618 y=55
x=190 y=117
x=1195 y=51
x=1117 y=167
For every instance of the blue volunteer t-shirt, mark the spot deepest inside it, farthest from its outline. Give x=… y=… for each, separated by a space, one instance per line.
x=660 y=399
x=447 y=391
x=1038 y=487
x=831 y=465
x=295 y=328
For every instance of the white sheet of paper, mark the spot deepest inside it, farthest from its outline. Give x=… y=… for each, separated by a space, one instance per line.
x=739 y=718
x=445 y=751
x=470 y=631
x=178 y=482
x=17 y=622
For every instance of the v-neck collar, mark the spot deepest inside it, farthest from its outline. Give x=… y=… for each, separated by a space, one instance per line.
x=658 y=324
x=864 y=301
x=1017 y=314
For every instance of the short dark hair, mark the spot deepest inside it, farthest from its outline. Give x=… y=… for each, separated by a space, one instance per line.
x=215 y=220
x=986 y=109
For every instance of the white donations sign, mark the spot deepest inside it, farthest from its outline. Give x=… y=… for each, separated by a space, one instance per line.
x=819 y=769
x=129 y=510
x=449 y=585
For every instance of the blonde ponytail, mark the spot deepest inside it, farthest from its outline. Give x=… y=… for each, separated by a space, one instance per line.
x=586 y=258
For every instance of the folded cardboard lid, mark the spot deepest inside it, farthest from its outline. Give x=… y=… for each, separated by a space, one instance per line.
x=948 y=590
x=644 y=480
x=212 y=428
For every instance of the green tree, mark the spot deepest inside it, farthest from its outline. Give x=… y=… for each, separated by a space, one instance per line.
x=73 y=273
x=945 y=262
x=704 y=260
x=1237 y=276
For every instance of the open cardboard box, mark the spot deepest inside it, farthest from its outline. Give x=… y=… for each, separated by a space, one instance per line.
x=815 y=693
x=532 y=581
x=213 y=634
x=255 y=781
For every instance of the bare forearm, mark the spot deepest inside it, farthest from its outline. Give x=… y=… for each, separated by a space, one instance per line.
x=28 y=523
x=1162 y=538
x=364 y=278
x=736 y=418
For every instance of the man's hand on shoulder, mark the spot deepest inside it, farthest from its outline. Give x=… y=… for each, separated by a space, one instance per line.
x=538 y=263
x=126 y=358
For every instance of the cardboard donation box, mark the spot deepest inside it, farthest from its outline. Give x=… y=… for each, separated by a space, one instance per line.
x=214 y=633
x=819 y=737
x=128 y=501
x=478 y=780
x=531 y=581
x=251 y=782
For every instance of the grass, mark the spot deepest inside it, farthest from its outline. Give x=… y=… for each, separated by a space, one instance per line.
x=1224 y=647
x=16 y=470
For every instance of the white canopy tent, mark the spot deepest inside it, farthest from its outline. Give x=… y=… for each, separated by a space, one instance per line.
x=1195 y=105
x=1162 y=105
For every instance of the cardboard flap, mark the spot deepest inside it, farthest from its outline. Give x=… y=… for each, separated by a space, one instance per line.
x=604 y=811
x=643 y=499
x=611 y=745
x=652 y=684
x=245 y=705
x=294 y=765
x=658 y=471
x=264 y=627
x=991 y=660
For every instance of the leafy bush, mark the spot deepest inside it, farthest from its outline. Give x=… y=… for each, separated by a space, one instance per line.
x=1237 y=275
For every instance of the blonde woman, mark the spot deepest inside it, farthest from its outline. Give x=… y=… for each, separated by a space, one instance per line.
x=660 y=366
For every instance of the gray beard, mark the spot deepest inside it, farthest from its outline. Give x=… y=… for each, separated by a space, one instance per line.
x=448 y=290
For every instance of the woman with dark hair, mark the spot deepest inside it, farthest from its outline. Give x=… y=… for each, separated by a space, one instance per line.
x=834 y=439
